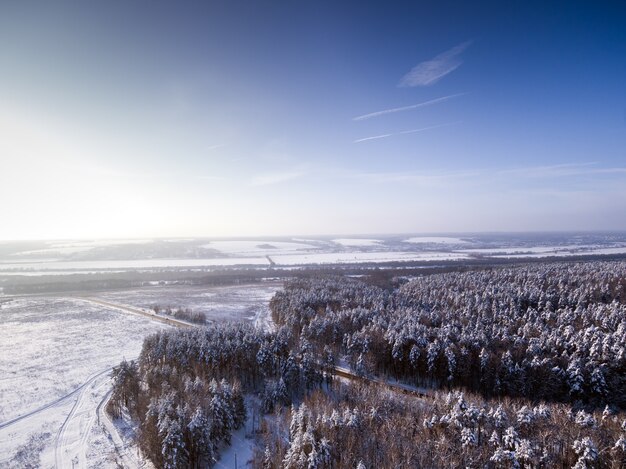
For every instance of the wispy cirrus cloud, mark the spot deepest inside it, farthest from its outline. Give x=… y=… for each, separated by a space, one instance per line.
x=406 y=108
x=411 y=131
x=562 y=170
x=431 y=71
x=492 y=176
x=375 y=137
x=215 y=147
x=212 y=178
x=423 y=178
x=266 y=179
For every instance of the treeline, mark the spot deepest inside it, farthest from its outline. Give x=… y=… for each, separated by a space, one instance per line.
x=186 y=392
x=183 y=421
x=365 y=428
x=185 y=314
x=24 y=284
x=553 y=332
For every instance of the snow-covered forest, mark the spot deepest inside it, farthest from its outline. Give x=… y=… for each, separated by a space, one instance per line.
x=520 y=366
x=554 y=331
x=353 y=427
x=186 y=392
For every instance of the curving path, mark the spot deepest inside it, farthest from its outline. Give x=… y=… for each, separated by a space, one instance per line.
x=128 y=460
x=56 y=402
x=70 y=444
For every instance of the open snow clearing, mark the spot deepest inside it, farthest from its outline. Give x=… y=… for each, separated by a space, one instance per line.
x=56 y=354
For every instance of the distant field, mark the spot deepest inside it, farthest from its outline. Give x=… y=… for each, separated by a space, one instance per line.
x=227 y=303
x=150 y=255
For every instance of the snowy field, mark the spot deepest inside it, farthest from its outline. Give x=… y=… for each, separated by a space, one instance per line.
x=357 y=257
x=545 y=251
x=357 y=242
x=257 y=247
x=279 y=260
x=55 y=358
x=56 y=354
x=223 y=303
x=63 y=257
x=128 y=264
x=435 y=240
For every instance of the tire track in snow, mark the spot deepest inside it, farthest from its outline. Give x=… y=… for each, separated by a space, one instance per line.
x=86 y=431
x=53 y=403
x=128 y=461
x=62 y=442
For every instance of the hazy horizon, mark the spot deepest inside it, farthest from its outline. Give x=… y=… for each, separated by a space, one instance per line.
x=238 y=119
x=261 y=237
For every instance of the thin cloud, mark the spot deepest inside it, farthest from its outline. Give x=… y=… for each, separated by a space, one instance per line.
x=266 y=179
x=562 y=170
x=406 y=108
x=412 y=131
x=431 y=71
x=212 y=178
x=375 y=137
x=610 y=171
x=416 y=177
x=215 y=147
x=493 y=175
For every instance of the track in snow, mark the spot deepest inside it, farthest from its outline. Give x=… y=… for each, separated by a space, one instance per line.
x=127 y=459
x=54 y=403
x=70 y=445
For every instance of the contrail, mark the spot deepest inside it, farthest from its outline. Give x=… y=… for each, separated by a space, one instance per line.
x=412 y=131
x=406 y=108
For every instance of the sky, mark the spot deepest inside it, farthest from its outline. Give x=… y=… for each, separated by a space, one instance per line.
x=136 y=118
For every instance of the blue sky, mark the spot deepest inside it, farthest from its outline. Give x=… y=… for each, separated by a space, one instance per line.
x=124 y=119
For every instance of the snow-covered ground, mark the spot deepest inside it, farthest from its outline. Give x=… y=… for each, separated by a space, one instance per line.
x=56 y=354
x=256 y=248
x=241 y=449
x=53 y=251
x=50 y=258
x=66 y=267
x=231 y=303
x=130 y=264
x=552 y=253
x=519 y=250
x=364 y=257
x=435 y=240
x=357 y=242
x=49 y=346
x=546 y=251
x=61 y=248
x=55 y=358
